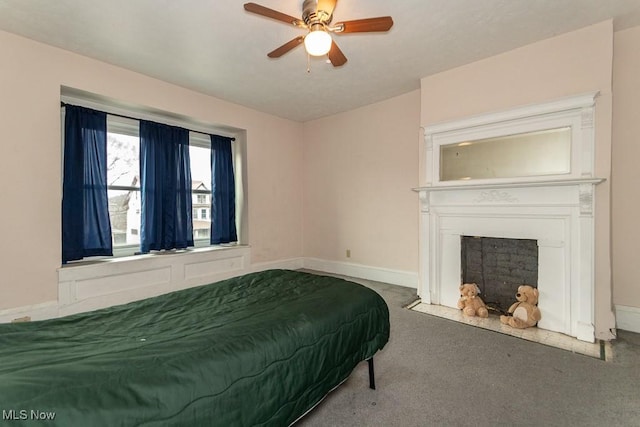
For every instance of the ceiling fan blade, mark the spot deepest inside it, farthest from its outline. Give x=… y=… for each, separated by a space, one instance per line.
x=270 y=13
x=277 y=53
x=382 y=23
x=327 y=6
x=336 y=56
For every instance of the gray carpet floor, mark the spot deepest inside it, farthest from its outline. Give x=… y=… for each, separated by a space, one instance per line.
x=436 y=372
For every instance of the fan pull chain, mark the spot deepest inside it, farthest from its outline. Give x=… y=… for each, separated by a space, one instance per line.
x=308 y=63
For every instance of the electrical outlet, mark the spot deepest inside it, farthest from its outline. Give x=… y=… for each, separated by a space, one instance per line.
x=348 y=253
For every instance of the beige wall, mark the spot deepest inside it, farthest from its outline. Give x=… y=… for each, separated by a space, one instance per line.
x=359 y=169
x=356 y=168
x=625 y=172
x=569 y=64
x=30 y=167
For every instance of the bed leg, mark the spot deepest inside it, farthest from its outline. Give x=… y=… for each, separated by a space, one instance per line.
x=372 y=377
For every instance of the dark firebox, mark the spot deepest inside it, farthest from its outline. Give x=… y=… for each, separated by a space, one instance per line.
x=498 y=266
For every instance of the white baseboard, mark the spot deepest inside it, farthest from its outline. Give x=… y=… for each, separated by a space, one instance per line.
x=385 y=275
x=628 y=318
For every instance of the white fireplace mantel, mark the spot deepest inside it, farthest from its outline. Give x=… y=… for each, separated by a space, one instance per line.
x=556 y=211
x=495 y=192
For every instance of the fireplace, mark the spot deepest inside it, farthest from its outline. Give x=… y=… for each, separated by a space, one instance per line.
x=549 y=207
x=498 y=266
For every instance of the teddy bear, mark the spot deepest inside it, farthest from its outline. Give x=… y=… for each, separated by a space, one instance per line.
x=524 y=313
x=470 y=303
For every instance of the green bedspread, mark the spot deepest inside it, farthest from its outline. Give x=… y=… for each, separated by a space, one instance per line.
x=259 y=349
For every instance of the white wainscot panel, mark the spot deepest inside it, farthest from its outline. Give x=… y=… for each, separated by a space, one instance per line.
x=119 y=283
x=105 y=283
x=207 y=270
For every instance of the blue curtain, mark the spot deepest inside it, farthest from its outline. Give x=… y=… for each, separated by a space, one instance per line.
x=86 y=230
x=165 y=184
x=223 y=193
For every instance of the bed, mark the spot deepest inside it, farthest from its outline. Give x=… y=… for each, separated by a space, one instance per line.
x=260 y=349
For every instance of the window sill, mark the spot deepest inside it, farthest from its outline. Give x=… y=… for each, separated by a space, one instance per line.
x=128 y=258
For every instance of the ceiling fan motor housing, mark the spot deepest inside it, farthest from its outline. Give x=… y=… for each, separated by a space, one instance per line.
x=311 y=15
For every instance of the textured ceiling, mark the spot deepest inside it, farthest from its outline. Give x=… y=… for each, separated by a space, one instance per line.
x=217 y=48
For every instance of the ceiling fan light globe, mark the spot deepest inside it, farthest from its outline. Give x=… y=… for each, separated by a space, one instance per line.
x=317 y=43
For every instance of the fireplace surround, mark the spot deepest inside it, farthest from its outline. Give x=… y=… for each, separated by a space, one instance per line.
x=555 y=210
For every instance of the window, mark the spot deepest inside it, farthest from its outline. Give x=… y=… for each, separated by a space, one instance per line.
x=124 y=204
x=123 y=181
x=200 y=154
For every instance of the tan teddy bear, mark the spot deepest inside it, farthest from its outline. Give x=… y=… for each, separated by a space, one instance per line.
x=524 y=312
x=470 y=303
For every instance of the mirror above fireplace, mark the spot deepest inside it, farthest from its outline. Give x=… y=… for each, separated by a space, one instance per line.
x=538 y=153
x=543 y=142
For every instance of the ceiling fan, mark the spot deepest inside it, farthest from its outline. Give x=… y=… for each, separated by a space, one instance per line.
x=316 y=18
